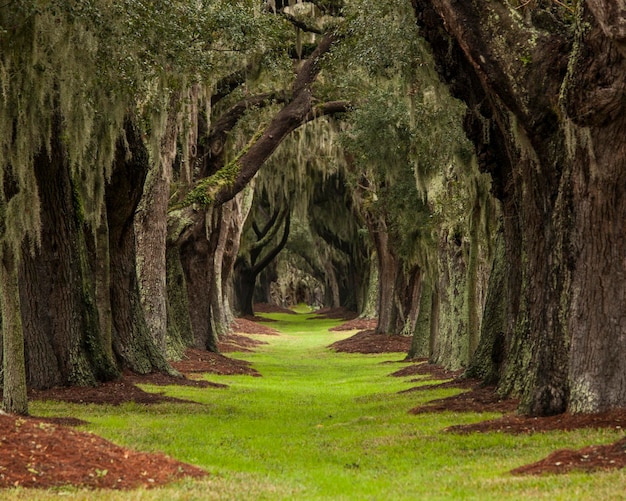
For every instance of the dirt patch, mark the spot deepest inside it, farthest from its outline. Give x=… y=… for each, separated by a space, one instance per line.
x=369 y=342
x=589 y=459
x=422 y=368
x=477 y=399
x=121 y=391
x=336 y=313
x=201 y=361
x=360 y=324
x=253 y=325
x=517 y=424
x=37 y=453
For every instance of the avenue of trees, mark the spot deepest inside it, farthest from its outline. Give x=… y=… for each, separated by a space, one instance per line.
x=454 y=169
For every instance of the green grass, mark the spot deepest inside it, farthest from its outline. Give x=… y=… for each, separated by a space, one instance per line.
x=322 y=425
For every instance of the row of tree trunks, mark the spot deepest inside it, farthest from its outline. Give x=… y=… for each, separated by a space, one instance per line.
x=555 y=111
x=81 y=313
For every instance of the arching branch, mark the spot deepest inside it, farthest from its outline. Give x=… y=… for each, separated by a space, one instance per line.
x=230 y=180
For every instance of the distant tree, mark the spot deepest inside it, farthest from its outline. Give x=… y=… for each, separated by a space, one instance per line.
x=270 y=240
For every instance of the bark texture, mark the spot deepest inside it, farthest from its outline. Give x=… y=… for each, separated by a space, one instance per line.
x=14 y=400
x=61 y=327
x=151 y=232
x=133 y=344
x=546 y=106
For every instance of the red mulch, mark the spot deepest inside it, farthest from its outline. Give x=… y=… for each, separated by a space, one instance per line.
x=251 y=325
x=359 y=324
x=201 y=361
x=480 y=398
x=589 y=459
x=370 y=342
x=336 y=313
x=37 y=453
x=120 y=391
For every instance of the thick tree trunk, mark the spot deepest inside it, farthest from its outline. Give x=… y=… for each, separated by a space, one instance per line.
x=195 y=252
x=451 y=343
x=387 y=269
x=420 y=343
x=179 y=328
x=490 y=353
x=547 y=120
x=61 y=328
x=133 y=344
x=151 y=233
x=14 y=398
x=595 y=211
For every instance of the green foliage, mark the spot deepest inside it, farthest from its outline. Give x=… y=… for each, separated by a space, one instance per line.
x=86 y=65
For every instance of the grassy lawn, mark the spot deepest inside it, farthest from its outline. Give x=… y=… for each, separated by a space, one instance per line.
x=322 y=425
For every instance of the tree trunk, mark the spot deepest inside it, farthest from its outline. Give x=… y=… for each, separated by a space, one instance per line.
x=179 y=328
x=62 y=335
x=195 y=251
x=450 y=348
x=133 y=344
x=420 y=343
x=547 y=120
x=151 y=233
x=14 y=398
x=594 y=215
x=490 y=353
x=387 y=268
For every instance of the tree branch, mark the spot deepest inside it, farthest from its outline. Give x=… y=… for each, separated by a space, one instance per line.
x=261 y=265
x=232 y=178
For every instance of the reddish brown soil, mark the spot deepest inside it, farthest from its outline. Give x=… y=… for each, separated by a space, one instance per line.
x=369 y=342
x=45 y=452
x=336 y=313
x=202 y=361
x=37 y=453
x=360 y=324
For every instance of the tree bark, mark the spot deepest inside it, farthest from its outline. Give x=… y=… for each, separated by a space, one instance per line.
x=62 y=335
x=151 y=232
x=195 y=252
x=133 y=344
x=14 y=399
x=545 y=115
x=387 y=270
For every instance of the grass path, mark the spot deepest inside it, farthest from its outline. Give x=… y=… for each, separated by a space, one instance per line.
x=322 y=425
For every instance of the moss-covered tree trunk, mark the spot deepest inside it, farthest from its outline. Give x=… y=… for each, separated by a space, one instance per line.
x=14 y=399
x=387 y=271
x=133 y=344
x=450 y=347
x=490 y=352
x=151 y=232
x=61 y=325
x=547 y=120
x=420 y=342
x=195 y=255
